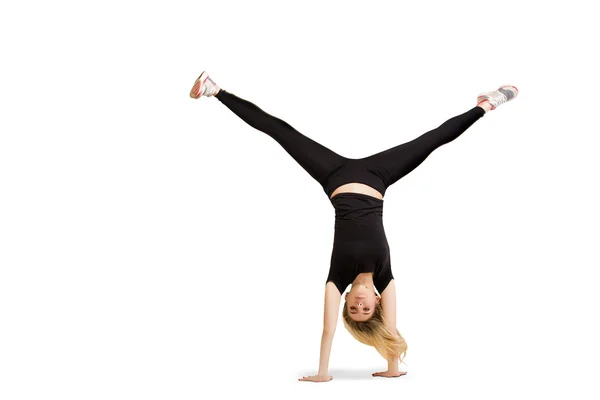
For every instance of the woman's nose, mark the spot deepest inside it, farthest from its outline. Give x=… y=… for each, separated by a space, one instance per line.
x=359 y=304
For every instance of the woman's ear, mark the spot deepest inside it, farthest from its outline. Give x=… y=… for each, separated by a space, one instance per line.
x=378 y=299
x=346 y=296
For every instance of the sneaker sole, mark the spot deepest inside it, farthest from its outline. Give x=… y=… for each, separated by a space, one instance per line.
x=195 y=93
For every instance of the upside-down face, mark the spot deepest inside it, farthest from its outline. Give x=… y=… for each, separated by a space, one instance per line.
x=361 y=301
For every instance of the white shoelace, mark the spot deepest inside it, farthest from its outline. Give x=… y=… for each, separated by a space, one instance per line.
x=499 y=98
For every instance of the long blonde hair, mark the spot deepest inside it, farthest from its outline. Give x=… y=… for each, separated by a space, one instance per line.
x=374 y=332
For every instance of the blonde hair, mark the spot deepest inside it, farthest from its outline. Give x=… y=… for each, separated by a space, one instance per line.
x=374 y=332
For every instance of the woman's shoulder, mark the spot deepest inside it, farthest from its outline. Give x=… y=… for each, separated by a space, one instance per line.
x=382 y=279
x=335 y=283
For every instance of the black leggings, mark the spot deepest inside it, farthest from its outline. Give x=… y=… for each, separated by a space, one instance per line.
x=332 y=170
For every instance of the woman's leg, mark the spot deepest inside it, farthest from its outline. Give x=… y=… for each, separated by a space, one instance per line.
x=315 y=158
x=392 y=164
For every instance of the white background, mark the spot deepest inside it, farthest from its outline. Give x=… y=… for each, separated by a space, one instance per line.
x=157 y=247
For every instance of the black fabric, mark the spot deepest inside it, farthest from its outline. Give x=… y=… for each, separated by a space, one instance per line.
x=359 y=244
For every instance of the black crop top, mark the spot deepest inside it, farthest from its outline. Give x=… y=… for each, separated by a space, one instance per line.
x=359 y=243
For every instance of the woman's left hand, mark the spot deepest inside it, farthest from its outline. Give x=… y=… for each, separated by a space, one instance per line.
x=316 y=378
x=390 y=374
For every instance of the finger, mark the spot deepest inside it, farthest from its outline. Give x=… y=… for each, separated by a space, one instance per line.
x=390 y=375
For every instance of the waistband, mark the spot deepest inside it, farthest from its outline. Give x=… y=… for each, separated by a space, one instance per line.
x=354 y=171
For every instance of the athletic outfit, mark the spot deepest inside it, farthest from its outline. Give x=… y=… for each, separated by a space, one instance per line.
x=360 y=244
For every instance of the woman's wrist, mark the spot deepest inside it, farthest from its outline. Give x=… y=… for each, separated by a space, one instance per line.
x=393 y=364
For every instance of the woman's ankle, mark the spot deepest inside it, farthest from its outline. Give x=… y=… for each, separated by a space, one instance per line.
x=485 y=105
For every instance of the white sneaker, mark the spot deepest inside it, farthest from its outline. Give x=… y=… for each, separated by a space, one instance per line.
x=499 y=96
x=204 y=86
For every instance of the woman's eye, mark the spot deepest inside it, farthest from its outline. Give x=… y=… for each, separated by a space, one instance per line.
x=367 y=309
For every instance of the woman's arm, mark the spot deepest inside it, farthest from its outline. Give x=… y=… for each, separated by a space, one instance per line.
x=330 y=317
x=388 y=305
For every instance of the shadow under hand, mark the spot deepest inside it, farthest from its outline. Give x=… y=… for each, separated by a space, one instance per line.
x=351 y=374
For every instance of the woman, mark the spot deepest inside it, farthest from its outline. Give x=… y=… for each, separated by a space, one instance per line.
x=355 y=187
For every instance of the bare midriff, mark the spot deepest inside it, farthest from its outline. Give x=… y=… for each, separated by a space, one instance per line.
x=356 y=187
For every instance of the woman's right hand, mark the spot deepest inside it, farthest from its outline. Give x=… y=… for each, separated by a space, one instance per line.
x=316 y=378
x=390 y=374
